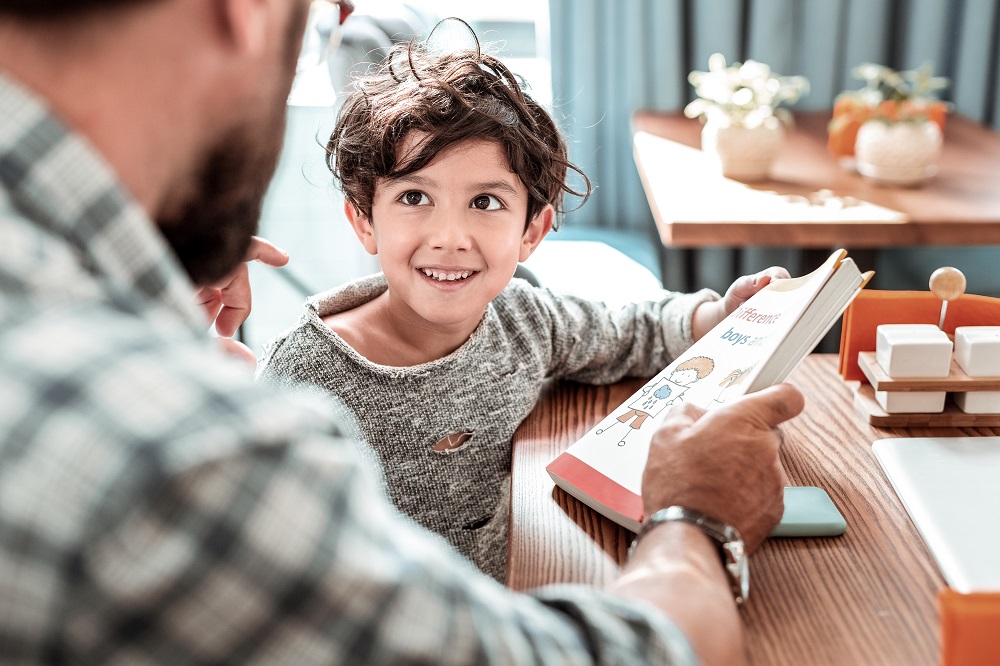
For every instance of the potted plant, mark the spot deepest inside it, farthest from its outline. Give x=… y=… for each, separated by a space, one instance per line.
x=741 y=108
x=891 y=129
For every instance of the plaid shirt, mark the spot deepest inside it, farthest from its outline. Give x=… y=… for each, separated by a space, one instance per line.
x=157 y=506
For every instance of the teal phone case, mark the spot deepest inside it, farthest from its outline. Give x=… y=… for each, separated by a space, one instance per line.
x=809 y=512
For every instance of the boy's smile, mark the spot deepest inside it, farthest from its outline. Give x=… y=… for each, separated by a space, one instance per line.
x=447 y=274
x=449 y=237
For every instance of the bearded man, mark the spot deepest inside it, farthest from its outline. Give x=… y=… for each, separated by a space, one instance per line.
x=157 y=506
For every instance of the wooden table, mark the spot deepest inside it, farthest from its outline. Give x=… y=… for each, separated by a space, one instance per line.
x=694 y=206
x=867 y=597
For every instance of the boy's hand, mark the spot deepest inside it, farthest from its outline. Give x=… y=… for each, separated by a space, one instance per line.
x=227 y=302
x=748 y=285
x=709 y=314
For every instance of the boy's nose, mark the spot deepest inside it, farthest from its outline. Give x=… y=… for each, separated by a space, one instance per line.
x=451 y=231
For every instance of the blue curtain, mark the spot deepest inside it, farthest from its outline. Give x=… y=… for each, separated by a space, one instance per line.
x=610 y=58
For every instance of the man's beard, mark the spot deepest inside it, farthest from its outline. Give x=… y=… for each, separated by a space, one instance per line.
x=212 y=230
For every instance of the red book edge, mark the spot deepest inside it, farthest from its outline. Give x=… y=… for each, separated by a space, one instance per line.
x=596 y=490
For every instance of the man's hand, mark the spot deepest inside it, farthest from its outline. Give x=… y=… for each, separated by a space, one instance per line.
x=725 y=462
x=709 y=314
x=227 y=302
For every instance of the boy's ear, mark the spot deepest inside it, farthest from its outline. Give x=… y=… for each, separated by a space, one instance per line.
x=362 y=226
x=538 y=228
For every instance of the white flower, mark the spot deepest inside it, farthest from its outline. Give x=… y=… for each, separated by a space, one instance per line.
x=744 y=94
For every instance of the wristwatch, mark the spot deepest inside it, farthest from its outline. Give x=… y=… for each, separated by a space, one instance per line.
x=727 y=537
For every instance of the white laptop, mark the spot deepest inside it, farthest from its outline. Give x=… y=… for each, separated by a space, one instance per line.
x=950 y=486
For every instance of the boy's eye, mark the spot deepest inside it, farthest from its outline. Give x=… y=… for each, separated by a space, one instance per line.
x=486 y=202
x=413 y=198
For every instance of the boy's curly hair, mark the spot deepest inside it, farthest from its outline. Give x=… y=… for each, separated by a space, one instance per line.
x=451 y=97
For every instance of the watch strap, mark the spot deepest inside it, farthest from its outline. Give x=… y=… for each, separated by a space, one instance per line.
x=726 y=537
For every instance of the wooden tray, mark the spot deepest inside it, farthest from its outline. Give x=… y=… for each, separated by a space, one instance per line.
x=952 y=417
x=956 y=381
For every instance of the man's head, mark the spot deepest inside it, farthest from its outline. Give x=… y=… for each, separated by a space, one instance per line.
x=212 y=227
x=50 y=8
x=185 y=98
x=448 y=98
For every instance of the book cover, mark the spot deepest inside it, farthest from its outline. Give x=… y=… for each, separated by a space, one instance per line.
x=757 y=345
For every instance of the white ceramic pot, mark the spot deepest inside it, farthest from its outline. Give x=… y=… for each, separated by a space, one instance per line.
x=901 y=153
x=744 y=153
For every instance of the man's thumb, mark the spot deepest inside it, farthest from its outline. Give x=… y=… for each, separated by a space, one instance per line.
x=775 y=404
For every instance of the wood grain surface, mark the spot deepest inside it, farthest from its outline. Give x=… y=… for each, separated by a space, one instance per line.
x=867 y=597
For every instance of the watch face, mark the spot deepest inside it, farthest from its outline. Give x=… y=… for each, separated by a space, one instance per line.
x=739 y=570
x=744 y=578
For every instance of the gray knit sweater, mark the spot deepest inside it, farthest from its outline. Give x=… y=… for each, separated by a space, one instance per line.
x=442 y=430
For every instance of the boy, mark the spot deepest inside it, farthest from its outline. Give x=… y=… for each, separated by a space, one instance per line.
x=452 y=175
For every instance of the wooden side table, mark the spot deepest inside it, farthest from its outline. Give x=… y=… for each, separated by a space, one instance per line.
x=810 y=201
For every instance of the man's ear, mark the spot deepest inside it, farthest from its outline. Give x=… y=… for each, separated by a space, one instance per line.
x=538 y=228
x=362 y=226
x=245 y=23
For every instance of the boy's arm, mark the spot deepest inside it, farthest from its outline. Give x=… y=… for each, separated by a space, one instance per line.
x=596 y=344
x=589 y=342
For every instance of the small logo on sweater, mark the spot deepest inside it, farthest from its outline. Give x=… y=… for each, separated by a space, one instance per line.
x=452 y=443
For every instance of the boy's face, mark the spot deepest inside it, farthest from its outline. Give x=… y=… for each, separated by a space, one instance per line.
x=450 y=235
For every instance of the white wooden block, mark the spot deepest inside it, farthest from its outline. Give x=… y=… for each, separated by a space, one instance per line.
x=912 y=350
x=977 y=351
x=978 y=402
x=911 y=402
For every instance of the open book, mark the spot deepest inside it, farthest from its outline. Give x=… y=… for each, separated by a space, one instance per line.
x=758 y=345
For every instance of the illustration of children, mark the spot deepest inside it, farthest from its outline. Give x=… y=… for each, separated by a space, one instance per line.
x=660 y=394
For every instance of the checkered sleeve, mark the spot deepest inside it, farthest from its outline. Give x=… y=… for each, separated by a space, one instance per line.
x=289 y=555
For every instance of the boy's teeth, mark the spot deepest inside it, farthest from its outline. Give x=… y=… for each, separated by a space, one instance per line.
x=441 y=276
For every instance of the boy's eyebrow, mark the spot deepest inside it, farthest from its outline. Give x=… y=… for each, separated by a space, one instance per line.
x=496 y=185
x=486 y=185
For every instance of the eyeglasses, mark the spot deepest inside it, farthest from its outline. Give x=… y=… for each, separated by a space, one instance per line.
x=346 y=7
x=323 y=31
